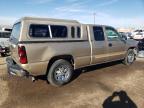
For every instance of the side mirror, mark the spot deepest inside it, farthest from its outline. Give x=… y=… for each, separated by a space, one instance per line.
x=124 y=37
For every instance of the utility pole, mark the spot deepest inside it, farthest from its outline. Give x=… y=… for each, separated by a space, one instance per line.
x=94 y=15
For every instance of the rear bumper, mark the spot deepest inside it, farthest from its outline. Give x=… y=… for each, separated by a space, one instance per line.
x=15 y=69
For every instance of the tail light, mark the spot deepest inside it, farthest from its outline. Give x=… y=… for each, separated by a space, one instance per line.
x=22 y=55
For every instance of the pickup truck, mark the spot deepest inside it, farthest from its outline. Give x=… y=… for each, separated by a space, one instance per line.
x=56 y=47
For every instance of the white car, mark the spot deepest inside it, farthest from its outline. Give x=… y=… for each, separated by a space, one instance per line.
x=138 y=34
x=4 y=42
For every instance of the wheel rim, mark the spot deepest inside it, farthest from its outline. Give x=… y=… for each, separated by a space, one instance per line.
x=131 y=57
x=62 y=73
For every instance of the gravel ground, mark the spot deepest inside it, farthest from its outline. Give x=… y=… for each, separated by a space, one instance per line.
x=89 y=89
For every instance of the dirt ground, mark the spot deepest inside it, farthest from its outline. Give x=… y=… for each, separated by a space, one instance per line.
x=90 y=88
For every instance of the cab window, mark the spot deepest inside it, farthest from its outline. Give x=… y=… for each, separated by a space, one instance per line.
x=98 y=33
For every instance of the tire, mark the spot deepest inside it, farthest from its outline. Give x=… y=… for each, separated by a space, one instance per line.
x=56 y=75
x=3 y=54
x=130 y=57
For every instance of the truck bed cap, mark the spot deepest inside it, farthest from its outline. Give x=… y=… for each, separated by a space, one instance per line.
x=49 y=19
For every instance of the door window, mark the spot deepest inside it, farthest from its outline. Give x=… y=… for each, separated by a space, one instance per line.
x=112 y=34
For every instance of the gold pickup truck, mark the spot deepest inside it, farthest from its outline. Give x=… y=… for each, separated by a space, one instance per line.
x=56 y=47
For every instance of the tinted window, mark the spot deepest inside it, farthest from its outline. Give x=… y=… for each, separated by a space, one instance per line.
x=72 y=32
x=5 y=35
x=98 y=33
x=16 y=31
x=41 y=31
x=78 y=32
x=8 y=29
x=59 y=31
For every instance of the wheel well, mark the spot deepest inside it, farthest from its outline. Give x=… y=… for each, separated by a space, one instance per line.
x=134 y=48
x=68 y=58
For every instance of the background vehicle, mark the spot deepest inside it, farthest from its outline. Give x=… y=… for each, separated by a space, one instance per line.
x=141 y=45
x=138 y=34
x=54 y=47
x=4 y=42
x=141 y=48
x=6 y=29
x=127 y=35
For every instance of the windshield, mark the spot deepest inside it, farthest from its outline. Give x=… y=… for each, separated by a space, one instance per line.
x=5 y=34
x=16 y=31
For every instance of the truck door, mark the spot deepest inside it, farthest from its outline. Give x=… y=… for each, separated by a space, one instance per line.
x=116 y=46
x=99 y=46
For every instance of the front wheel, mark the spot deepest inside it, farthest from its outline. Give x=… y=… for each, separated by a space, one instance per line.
x=60 y=73
x=130 y=57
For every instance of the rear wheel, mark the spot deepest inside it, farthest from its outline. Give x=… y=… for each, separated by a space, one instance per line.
x=60 y=73
x=130 y=57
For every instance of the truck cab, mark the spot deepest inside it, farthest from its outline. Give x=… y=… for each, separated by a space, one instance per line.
x=107 y=44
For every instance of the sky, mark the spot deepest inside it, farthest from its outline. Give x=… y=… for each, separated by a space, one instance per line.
x=117 y=13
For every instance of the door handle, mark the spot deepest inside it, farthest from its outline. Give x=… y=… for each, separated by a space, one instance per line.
x=110 y=45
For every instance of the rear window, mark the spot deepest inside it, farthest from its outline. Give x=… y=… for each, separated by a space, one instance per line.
x=16 y=31
x=59 y=31
x=41 y=31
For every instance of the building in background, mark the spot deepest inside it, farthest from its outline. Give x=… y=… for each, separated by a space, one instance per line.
x=125 y=30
